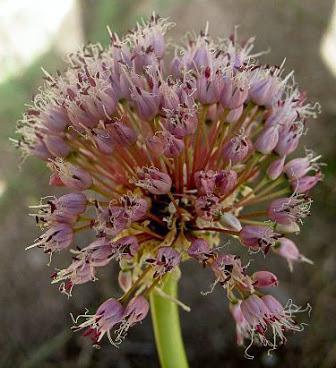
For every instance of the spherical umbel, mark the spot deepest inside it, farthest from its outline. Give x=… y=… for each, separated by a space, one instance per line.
x=165 y=163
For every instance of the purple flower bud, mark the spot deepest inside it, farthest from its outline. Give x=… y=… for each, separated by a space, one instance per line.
x=136 y=310
x=289 y=137
x=66 y=208
x=40 y=150
x=297 y=168
x=284 y=113
x=81 y=117
x=74 y=203
x=73 y=176
x=208 y=86
x=273 y=305
x=199 y=250
x=153 y=180
x=167 y=259
x=234 y=115
x=264 y=279
x=265 y=87
x=109 y=101
x=276 y=168
x=227 y=92
x=57 y=237
x=98 y=253
x=78 y=273
x=242 y=327
x=169 y=99
x=258 y=237
x=206 y=206
x=147 y=103
x=135 y=208
x=125 y=247
x=121 y=133
x=267 y=140
x=116 y=220
x=55 y=118
x=201 y=57
x=288 y=210
x=287 y=249
x=175 y=66
x=205 y=181
x=57 y=146
x=155 y=144
x=224 y=265
x=236 y=149
x=173 y=146
x=104 y=141
x=158 y=43
x=232 y=97
x=305 y=183
x=181 y=122
x=125 y=280
x=254 y=311
x=226 y=181
x=109 y=314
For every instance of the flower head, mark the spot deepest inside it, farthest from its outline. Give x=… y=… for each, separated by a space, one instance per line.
x=158 y=161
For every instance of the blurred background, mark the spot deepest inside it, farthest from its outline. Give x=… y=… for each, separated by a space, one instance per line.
x=34 y=317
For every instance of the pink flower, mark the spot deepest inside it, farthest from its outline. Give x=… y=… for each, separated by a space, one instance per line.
x=242 y=326
x=153 y=180
x=136 y=310
x=57 y=146
x=233 y=94
x=299 y=167
x=125 y=247
x=58 y=237
x=236 y=149
x=285 y=211
x=287 y=249
x=121 y=134
x=267 y=140
x=226 y=181
x=289 y=136
x=256 y=313
x=264 y=279
x=266 y=87
x=205 y=181
x=166 y=260
x=135 y=207
x=107 y=316
x=258 y=237
x=72 y=176
x=276 y=168
x=206 y=206
x=200 y=250
x=306 y=183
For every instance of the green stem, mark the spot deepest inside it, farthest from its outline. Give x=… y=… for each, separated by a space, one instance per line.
x=166 y=325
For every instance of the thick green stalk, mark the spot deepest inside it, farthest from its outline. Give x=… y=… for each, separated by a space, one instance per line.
x=166 y=325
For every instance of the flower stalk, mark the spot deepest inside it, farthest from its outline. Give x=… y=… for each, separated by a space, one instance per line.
x=166 y=325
